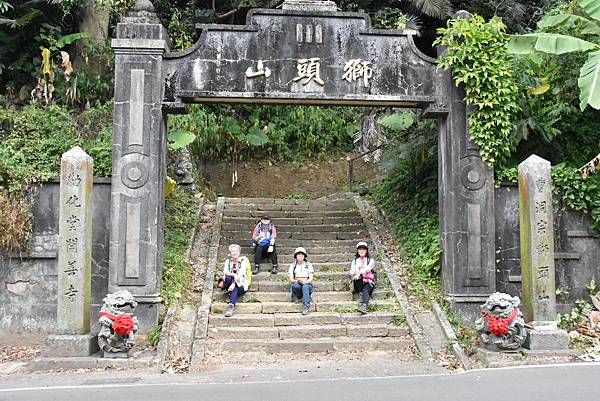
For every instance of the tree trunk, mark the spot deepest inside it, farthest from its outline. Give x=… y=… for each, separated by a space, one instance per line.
x=589 y=168
x=94 y=19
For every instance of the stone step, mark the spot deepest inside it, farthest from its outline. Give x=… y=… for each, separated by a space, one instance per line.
x=317 y=266
x=305 y=207
x=275 y=286
x=284 y=296
x=345 y=257
x=346 y=251
x=300 y=221
x=316 y=345
x=295 y=214
x=306 y=331
x=310 y=245
x=342 y=203
x=282 y=276
x=242 y=236
x=297 y=228
x=293 y=319
x=287 y=307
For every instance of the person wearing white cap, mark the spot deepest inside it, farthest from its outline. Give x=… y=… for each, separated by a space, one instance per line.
x=362 y=273
x=301 y=275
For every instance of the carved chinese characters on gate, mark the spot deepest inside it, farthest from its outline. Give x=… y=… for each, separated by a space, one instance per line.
x=309 y=70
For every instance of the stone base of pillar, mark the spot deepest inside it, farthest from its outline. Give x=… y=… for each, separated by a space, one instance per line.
x=546 y=336
x=499 y=359
x=147 y=311
x=71 y=345
x=467 y=307
x=116 y=355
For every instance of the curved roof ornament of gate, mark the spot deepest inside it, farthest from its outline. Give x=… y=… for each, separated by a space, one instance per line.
x=303 y=56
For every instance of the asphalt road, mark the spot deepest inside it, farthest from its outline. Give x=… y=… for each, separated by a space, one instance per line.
x=543 y=383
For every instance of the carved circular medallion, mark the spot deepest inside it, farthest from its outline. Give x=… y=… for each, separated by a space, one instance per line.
x=134 y=175
x=471 y=177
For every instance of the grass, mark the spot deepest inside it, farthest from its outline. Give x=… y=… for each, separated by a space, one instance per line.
x=345 y=309
x=381 y=308
x=399 y=320
x=154 y=335
x=181 y=212
x=216 y=310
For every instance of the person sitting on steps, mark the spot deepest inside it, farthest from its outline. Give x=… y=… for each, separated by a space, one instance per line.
x=263 y=242
x=236 y=277
x=362 y=273
x=301 y=275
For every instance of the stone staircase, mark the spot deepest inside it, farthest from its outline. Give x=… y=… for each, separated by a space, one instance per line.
x=266 y=321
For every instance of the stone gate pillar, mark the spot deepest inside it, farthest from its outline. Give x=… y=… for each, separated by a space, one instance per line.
x=139 y=145
x=466 y=210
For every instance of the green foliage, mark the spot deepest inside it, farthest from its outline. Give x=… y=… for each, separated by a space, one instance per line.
x=576 y=33
x=398 y=121
x=154 y=335
x=570 y=190
x=34 y=139
x=408 y=194
x=181 y=211
x=570 y=320
x=477 y=54
x=283 y=132
x=25 y=28
x=180 y=139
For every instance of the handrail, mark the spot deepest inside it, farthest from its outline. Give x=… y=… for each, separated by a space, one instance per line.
x=351 y=160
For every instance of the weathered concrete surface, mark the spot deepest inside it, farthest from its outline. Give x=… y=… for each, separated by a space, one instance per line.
x=28 y=282
x=139 y=148
x=75 y=245
x=577 y=250
x=71 y=345
x=263 y=60
x=537 y=240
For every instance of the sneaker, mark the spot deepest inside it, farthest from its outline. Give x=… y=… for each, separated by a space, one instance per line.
x=274 y=271
x=255 y=270
x=229 y=311
x=362 y=309
x=306 y=310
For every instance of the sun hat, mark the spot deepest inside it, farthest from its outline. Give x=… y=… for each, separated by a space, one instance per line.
x=362 y=244
x=265 y=217
x=300 y=250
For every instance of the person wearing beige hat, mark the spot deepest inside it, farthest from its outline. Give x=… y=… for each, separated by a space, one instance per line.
x=301 y=276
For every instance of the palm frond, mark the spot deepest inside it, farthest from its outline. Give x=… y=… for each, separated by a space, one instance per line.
x=434 y=8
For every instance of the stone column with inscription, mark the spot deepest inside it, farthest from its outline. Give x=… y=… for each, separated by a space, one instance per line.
x=73 y=336
x=537 y=255
x=139 y=148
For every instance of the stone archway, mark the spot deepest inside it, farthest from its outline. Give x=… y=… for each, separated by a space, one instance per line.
x=305 y=53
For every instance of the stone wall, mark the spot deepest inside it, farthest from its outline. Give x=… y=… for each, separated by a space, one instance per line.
x=577 y=250
x=28 y=282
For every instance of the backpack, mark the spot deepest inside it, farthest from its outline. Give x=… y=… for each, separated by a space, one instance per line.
x=269 y=227
x=243 y=260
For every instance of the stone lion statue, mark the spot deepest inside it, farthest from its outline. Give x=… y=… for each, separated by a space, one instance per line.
x=502 y=326
x=117 y=322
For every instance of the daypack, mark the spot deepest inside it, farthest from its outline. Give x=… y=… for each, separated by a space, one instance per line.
x=243 y=260
x=269 y=228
